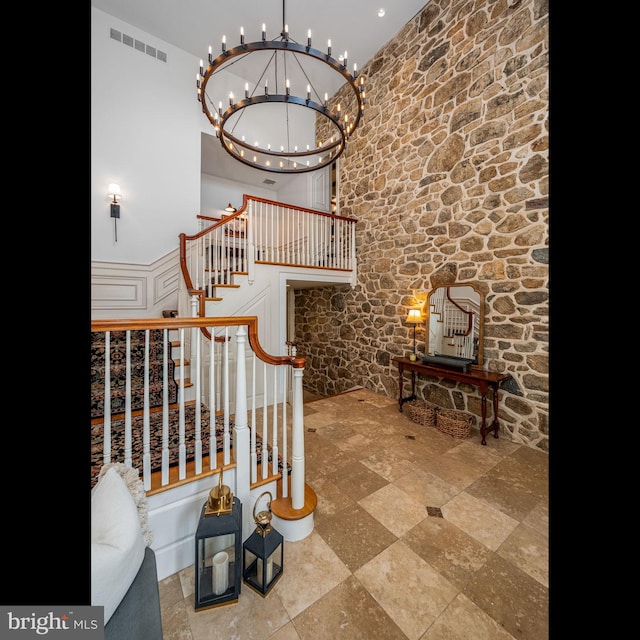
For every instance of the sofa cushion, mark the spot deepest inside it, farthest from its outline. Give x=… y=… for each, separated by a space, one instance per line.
x=117 y=542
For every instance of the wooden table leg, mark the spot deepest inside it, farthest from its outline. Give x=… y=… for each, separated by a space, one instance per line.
x=483 y=406
x=402 y=400
x=495 y=425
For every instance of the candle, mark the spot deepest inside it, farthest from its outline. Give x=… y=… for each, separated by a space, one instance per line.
x=269 y=576
x=329 y=47
x=224 y=43
x=264 y=32
x=220 y=573
x=241 y=35
x=309 y=38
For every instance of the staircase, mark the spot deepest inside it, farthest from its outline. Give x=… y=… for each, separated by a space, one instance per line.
x=146 y=416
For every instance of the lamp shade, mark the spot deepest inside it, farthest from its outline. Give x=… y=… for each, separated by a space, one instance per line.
x=415 y=316
x=114 y=189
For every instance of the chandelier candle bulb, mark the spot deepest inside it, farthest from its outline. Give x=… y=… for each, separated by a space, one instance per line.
x=211 y=88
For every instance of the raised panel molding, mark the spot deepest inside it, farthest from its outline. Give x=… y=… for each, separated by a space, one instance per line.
x=134 y=290
x=123 y=292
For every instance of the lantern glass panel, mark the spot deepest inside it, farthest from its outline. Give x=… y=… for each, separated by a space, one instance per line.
x=218 y=565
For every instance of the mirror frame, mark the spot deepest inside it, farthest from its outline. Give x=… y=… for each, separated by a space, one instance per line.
x=427 y=307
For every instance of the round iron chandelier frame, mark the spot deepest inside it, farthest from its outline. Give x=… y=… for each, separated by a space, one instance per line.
x=285 y=160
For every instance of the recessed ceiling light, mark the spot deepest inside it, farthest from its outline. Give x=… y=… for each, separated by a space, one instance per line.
x=381 y=13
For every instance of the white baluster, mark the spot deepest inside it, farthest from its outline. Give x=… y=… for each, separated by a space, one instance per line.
x=146 y=453
x=182 y=450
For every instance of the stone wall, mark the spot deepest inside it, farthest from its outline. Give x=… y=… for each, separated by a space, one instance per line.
x=448 y=178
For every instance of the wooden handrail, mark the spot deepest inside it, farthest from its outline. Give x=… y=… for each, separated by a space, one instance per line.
x=123 y=324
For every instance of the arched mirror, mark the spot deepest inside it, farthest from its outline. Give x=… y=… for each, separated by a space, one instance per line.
x=455 y=321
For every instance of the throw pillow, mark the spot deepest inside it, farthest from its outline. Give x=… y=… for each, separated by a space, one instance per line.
x=131 y=478
x=117 y=542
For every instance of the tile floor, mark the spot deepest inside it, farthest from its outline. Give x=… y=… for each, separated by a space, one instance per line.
x=417 y=536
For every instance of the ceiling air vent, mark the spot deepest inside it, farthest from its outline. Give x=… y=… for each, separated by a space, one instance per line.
x=114 y=34
x=268 y=181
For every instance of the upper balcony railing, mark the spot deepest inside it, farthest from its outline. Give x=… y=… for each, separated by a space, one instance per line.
x=268 y=232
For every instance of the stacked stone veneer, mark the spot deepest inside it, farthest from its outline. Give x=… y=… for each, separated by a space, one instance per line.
x=448 y=178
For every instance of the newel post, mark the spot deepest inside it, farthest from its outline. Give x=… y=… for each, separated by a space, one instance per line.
x=297 y=448
x=241 y=443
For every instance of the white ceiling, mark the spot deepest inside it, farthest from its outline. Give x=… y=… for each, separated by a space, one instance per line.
x=194 y=25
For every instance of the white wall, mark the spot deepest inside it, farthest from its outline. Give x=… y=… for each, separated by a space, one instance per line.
x=216 y=193
x=145 y=136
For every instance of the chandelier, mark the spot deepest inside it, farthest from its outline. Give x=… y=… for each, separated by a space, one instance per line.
x=272 y=123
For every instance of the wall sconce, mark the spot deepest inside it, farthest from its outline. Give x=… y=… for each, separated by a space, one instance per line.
x=414 y=317
x=230 y=208
x=114 y=191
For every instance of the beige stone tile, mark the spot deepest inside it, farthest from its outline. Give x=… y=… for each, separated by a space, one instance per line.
x=348 y=611
x=453 y=470
x=188 y=581
x=412 y=592
x=528 y=549
x=331 y=499
x=425 y=488
x=251 y=618
x=288 y=632
x=526 y=469
x=463 y=620
x=538 y=517
x=175 y=621
x=355 y=535
x=311 y=569
x=474 y=454
x=450 y=551
x=170 y=591
x=357 y=445
x=388 y=464
x=515 y=600
x=394 y=509
x=358 y=480
x=503 y=495
x=481 y=521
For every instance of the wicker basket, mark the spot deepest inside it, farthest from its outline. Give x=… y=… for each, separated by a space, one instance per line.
x=422 y=412
x=454 y=423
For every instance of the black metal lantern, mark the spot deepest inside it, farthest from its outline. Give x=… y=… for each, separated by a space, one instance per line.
x=218 y=548
x=263 y=552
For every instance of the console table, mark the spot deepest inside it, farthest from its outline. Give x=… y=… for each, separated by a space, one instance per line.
x=481 y=379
